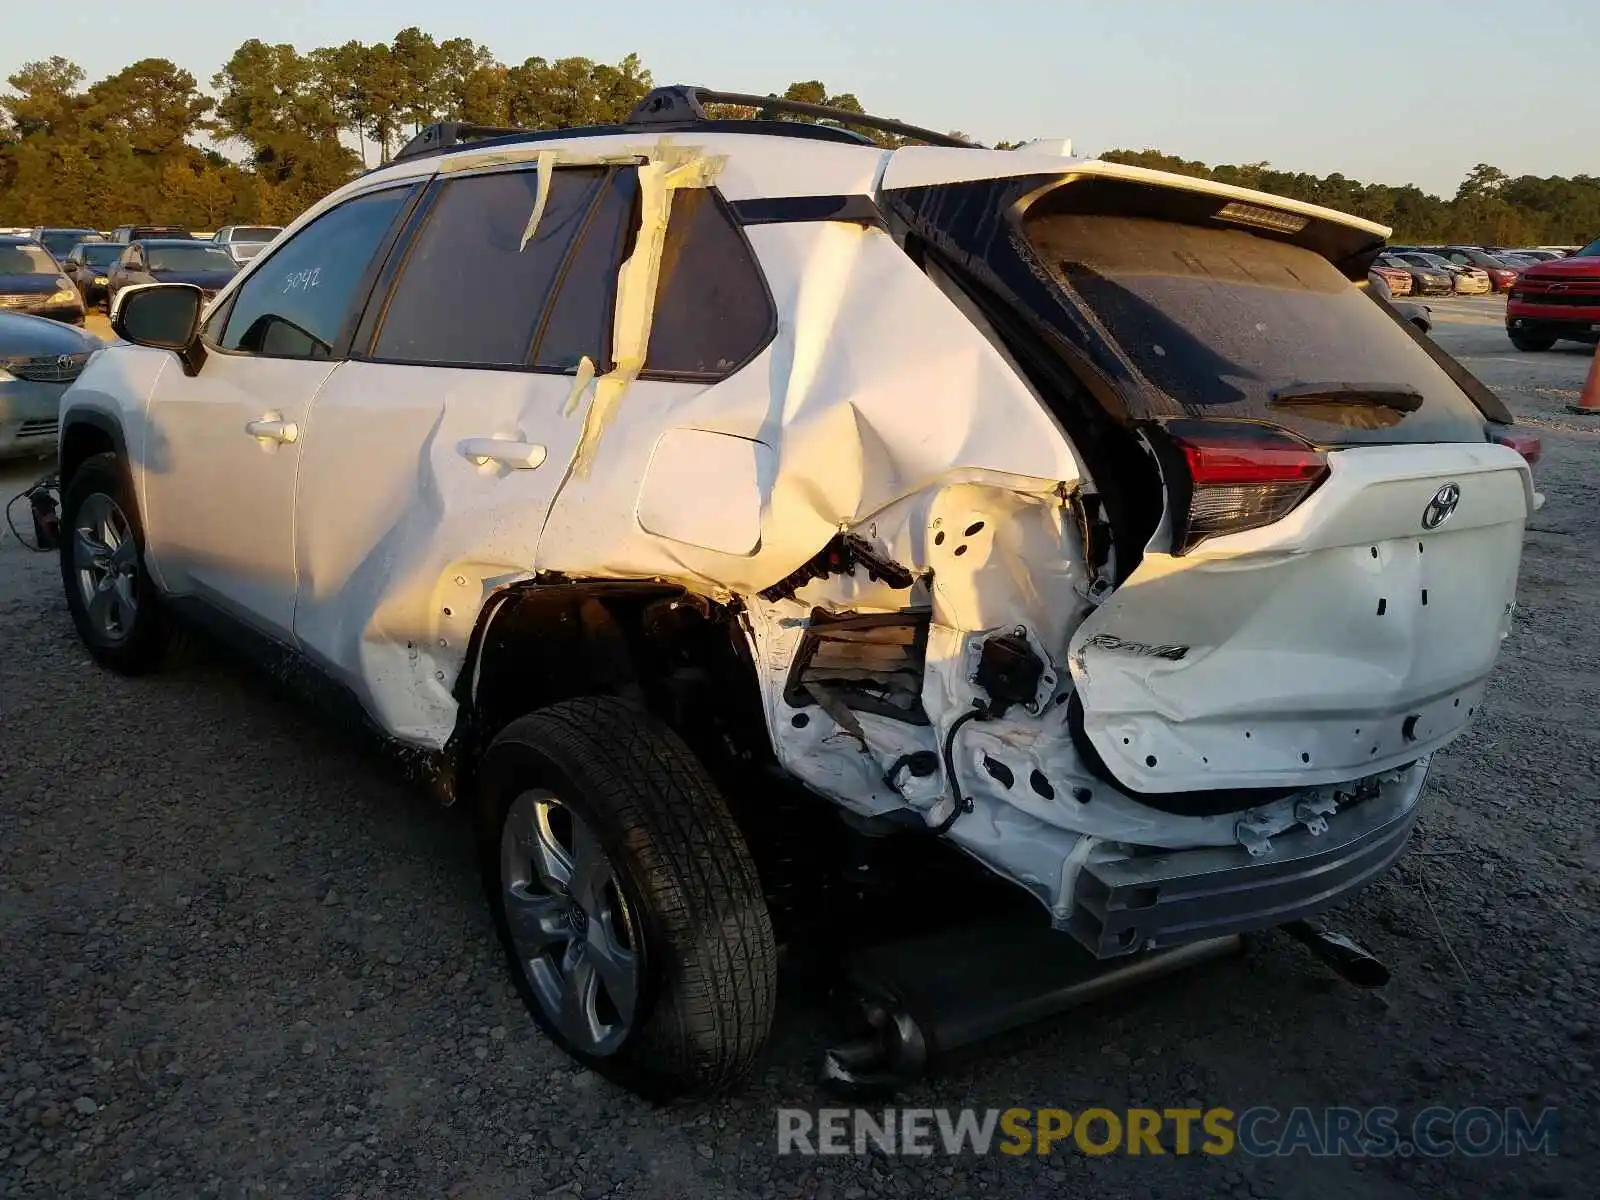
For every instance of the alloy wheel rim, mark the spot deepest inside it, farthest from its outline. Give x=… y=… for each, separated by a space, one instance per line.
x=106 y=558
x=573 y=933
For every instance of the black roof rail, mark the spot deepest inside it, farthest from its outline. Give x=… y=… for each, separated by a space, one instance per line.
x=685 y=104
x=443 y=135
x=683 y=107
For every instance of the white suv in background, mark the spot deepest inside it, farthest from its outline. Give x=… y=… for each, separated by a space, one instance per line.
x=244 y=242
x=1093 y=519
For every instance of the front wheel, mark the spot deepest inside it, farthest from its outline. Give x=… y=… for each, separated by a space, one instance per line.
x=626 y=899
x=109 y=593
x=1531 y=341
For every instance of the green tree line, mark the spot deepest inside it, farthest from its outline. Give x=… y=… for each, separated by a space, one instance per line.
x=278 y=128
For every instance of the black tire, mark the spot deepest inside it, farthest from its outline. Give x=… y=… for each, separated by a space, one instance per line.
x=1531 y=341
x=708 y=973
x=144 y=643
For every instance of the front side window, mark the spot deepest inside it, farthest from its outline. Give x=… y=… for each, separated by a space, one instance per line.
x=477 y=281
x=295 y=304
x=713 y=312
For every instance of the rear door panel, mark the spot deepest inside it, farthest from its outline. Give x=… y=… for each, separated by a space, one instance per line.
x=1343 y=640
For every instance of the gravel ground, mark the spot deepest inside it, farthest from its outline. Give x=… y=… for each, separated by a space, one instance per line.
x=239 y=957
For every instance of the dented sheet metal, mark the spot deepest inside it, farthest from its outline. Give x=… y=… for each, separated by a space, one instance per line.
x=924 y=398
x=1344 y=640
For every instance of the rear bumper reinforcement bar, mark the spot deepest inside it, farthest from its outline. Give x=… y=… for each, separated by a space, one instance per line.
x=1171 y=897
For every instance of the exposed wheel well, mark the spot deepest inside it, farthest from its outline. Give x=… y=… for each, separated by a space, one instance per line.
x=79 y=441
x=680 y=655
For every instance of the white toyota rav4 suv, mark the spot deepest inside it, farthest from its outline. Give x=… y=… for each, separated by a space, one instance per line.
x=1094 y=520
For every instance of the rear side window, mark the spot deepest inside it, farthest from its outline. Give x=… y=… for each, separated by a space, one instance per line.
x=713 y=312
x=1218 y=322
x=295 y=304
x=475 y=286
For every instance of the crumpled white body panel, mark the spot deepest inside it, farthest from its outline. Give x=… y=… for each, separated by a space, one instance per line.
x=1341 y=641
x=874 y=388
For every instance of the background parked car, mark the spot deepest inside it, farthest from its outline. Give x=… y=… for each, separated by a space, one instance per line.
x=172 y=260
x=88 y=266
x=1397 y=280
x=244 y=242
x=38 y=360
x=1501 y=274
x=1465 y=280
x=135 y=233
x=31 y=282
x=61 y=241
x=1427 y=279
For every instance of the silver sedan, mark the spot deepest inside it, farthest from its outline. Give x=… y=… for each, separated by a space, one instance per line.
x=39 y=359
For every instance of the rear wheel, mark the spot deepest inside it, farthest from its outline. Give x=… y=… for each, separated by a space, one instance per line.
x=626 y=899
x=1531 y=341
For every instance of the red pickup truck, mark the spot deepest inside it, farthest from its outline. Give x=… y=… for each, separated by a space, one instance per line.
x=1556 y=299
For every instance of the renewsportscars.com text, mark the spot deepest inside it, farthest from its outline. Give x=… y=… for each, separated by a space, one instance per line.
x=1259 y=1132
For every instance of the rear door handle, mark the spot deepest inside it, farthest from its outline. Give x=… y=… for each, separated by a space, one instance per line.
x=272 y=428
x=522 y=455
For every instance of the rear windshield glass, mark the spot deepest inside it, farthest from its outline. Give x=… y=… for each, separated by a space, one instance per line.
x=189 y=258
x=1216 y=321
x=255 y=233
x=60 y=241
x=102 y=254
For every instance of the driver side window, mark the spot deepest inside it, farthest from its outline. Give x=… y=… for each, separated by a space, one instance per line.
x=295 y=304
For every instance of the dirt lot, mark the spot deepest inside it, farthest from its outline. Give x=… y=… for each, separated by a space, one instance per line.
x=238 y=957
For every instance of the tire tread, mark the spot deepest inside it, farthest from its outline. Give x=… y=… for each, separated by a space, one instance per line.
x=714 y=1006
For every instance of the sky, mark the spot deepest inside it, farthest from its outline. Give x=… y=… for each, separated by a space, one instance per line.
x=1402 y=92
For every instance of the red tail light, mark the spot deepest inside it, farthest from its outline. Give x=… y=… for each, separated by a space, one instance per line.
x=1526 y=444
x=1237 y=475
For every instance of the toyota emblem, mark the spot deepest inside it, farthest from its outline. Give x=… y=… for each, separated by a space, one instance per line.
x=1441 y=506
x=64 y=362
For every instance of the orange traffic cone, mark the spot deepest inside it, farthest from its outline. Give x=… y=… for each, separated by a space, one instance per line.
x=1588 y=404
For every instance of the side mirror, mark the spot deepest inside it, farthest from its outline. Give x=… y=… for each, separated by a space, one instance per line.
x=165 y=316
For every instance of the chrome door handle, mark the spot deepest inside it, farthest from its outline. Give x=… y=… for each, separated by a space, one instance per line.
x=272 y=428
x=523 y=455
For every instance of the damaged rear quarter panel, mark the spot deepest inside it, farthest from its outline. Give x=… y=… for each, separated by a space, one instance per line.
x=875 y=387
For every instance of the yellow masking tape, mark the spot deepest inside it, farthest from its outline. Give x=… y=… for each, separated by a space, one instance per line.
x=547 y=163
x=580 y=384
x=669 y=167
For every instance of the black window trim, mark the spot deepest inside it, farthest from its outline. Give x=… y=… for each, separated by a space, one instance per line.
x=377 y=306
x=358 y=299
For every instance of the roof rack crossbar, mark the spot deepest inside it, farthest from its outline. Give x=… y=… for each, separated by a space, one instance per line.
x=680 y=103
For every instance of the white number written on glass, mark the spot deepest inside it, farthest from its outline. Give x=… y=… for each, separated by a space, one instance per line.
x=301 y=281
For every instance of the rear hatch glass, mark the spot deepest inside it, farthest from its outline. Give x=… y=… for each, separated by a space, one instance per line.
x=1220 y=323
